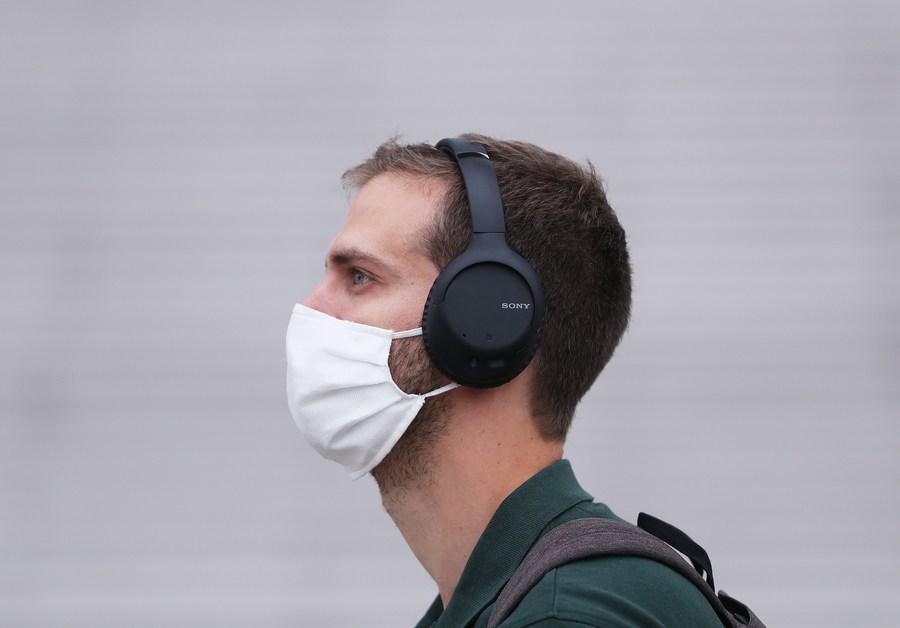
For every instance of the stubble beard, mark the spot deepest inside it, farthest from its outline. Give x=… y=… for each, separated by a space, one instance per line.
x=410 y=463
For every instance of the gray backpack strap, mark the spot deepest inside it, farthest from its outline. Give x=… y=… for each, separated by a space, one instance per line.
x=584 y=538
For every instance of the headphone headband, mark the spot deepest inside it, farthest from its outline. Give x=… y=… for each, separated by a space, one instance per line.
x=481 y=184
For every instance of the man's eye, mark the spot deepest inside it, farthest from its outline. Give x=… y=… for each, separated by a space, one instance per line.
x=360 y=278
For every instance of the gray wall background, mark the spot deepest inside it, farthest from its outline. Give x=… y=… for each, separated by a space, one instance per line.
x=169 y=181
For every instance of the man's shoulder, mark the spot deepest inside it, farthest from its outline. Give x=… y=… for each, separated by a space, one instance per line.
x=622 y=591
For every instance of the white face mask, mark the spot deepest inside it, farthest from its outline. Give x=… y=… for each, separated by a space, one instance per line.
x=340 y=390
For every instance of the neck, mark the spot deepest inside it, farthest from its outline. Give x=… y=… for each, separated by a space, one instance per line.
x=484 y=455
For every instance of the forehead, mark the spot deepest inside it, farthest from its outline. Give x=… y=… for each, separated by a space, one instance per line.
x=388 y=218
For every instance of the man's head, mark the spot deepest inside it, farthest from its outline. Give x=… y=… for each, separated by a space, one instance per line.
x=558 y=219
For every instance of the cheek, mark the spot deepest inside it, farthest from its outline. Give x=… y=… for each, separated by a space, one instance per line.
x=413 y=305
x=412 y=369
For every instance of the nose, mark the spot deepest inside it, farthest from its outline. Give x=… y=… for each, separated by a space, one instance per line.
x=322 y=299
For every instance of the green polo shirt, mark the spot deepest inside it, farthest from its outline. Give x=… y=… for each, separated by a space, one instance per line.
x=604 y=591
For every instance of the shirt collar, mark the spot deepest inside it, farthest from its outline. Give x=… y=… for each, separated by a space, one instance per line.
x=514 y=528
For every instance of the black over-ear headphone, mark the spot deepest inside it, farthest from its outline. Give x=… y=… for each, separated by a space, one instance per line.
x=485 y=312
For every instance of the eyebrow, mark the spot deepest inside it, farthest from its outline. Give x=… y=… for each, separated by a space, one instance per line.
x=353 y=256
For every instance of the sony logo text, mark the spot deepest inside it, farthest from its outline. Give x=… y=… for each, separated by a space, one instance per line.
x=515 y=306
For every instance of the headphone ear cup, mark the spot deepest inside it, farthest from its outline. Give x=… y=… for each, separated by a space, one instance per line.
x=482 y=321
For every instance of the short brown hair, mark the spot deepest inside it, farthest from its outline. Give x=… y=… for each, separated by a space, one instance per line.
x=558 y=219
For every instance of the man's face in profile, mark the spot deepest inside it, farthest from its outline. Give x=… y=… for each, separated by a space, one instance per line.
x=377 y=273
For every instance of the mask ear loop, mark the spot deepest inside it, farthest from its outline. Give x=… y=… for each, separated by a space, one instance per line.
x=407 y=334
x=441 y=390
x=418 y=332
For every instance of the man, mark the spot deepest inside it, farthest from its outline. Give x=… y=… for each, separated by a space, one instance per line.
x=473 y=475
